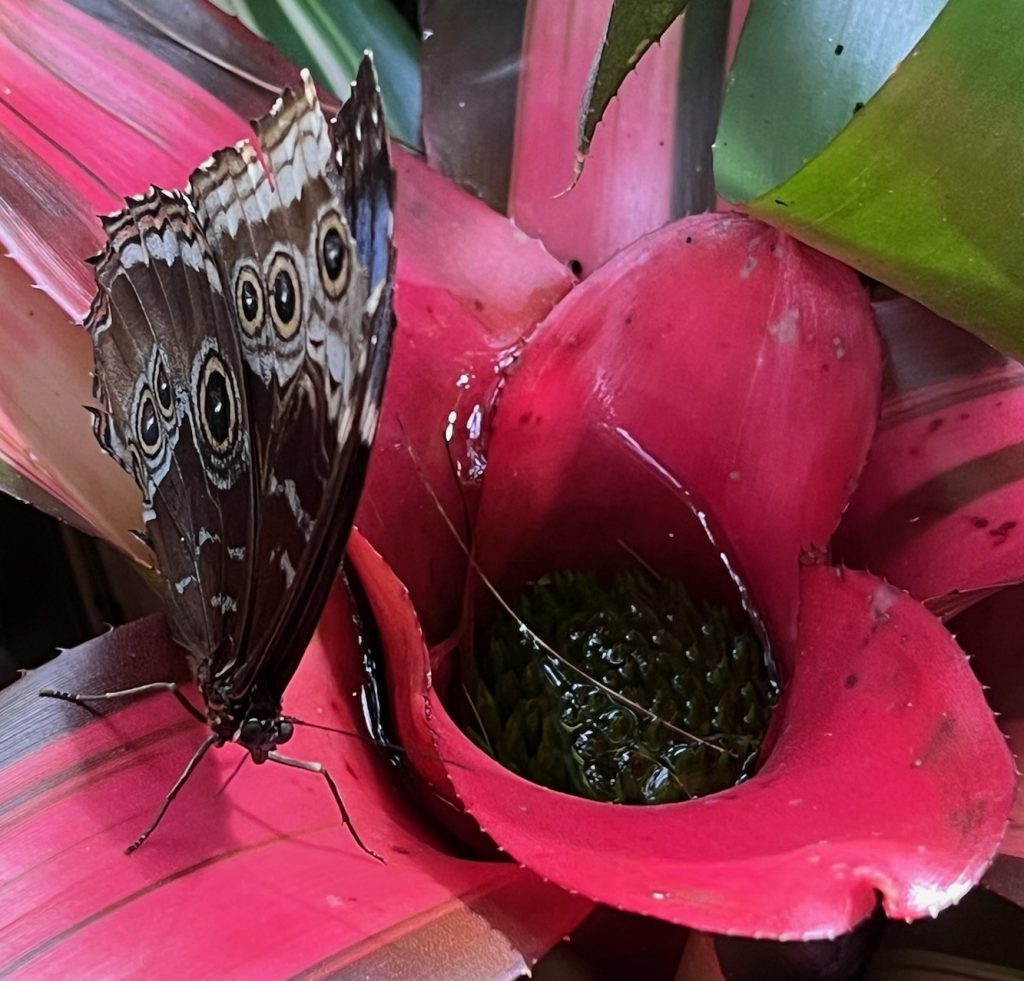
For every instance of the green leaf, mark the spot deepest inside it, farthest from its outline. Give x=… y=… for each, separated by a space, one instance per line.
x=634 y=25
x=890 y=136
x=329 y=39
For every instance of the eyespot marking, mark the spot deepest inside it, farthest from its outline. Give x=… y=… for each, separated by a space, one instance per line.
x=285 y=299
x=148 y=430
x=249 y=299
x=162 y=387
x=218 y=405
x=333 y=254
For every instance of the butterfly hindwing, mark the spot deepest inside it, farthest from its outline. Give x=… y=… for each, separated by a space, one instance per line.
x=173 y=409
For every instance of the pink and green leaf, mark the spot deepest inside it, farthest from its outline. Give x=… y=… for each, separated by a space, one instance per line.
x=586 y=224
x=329 y=40
x=631 y=28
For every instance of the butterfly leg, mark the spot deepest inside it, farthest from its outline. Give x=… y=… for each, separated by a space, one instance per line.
x=151 y=689
x=192 y=764
x=323 y=771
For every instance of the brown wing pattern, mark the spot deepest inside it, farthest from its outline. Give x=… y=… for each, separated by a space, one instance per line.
x=167 y=377
x=315 y=325
x=264 y=298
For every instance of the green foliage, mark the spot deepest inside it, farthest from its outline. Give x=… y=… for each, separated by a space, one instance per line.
x=329 y=39
x=901 y=155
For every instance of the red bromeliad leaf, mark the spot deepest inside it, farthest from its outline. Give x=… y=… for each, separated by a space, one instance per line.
x=716 y=355
x=298 y=894
x=49 y=51
x=992 y=633
x=470 y=288
x=940 y=505
x=600 y=431
x=888 y=774
x=90 y=132
x=45 y=433
x=633 y=148
x=886 y=770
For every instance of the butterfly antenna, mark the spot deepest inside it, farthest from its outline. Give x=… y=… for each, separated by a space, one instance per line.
x=639 y=559
x=543 y=644
x=372 y=740
x=188 y=771
x=481 y=728
x=453 y=467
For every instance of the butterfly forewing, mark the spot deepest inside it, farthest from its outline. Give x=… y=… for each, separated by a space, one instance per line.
x=310 y=345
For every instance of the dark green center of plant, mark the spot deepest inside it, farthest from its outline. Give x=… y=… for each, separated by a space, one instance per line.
x=628 y=692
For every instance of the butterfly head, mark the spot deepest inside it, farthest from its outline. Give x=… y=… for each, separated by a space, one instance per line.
x=261 y=736
x=254 y=724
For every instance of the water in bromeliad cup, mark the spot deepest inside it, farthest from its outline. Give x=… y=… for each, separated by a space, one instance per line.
x=621 y=687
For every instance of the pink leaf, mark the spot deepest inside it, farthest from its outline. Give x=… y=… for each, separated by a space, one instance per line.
x=940 y=504
x=295 y=892
x=992 y=633
x=470 y=289
x=718 y=362
x=45 y=432
x=889 y=774
x=712 y=348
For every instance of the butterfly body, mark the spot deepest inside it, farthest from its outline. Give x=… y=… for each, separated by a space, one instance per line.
x=242 y=330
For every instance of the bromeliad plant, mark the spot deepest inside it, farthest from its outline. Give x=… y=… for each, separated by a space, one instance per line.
x=700 y=406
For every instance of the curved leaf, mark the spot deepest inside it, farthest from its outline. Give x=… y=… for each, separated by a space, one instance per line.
x=915 y=190
x=45 y=432
x=627 y=187
x=888 y=774
x=295 y=893
x=938 y=508
x=716 y=361
x=462 y=310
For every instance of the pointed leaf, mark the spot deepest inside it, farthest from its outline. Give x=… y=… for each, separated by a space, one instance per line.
x=329 y=40
x=633 y=26
x=584 y=226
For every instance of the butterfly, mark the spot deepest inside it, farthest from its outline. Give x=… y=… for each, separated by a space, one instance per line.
x=242 y=330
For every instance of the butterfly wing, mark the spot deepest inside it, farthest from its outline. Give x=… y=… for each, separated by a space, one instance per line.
x=300 y=225
x=173 y=410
